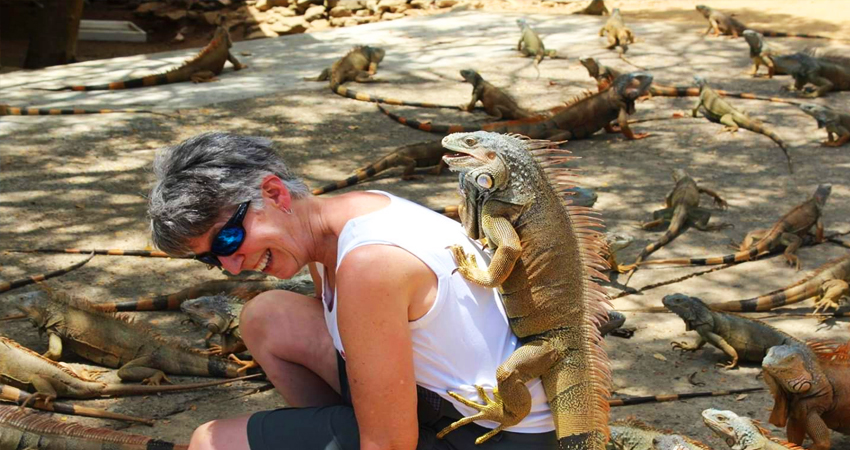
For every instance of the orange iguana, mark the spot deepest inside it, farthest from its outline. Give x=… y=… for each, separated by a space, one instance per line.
x=545 y=262
x=202 y=68
x=722 y=23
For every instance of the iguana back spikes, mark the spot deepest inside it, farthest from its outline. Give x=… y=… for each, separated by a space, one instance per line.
x=14 y=284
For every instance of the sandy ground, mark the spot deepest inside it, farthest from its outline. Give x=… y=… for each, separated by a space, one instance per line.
x=81 y=181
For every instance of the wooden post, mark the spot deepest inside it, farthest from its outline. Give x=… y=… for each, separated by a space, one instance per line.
x=53 y=35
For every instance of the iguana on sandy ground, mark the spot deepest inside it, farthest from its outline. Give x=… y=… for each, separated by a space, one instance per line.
x=738 y=337
x=836 y=123
x=97 y=251
x=682 y=208
x=742 y=433
x=587 y=115
x=810 y=391
x=722 y=23
x=762 y=54
x=8 y=110
x=358 y=65
x=718 y=110
x=618 y=33
x=21 y=429
x=6 y=286
x=788 y=231
x=23 y=398
x=496 y=102
x=219 y=315
x=113 y=340
x=614 y=402
x=410 y=157
x=632 y=434
x=202 y=68
x=616 y=242
x=546 y=257
x=595 y=8
x=824 y=73
x=530 y=44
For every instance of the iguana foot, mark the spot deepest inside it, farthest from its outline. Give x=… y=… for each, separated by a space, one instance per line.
x=822 y=305
x=467 y=265
x=204 y=76
x=831 y=143
x=684 y=346
x=636 y=136
x=240 y=66
x=492 y=409
x=157 y=379
x=213 y=350
x=246 y=365
x=728 y=366
x=793 y=260
x=46 y=399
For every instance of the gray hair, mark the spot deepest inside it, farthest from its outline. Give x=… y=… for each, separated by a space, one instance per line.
x=204 y=178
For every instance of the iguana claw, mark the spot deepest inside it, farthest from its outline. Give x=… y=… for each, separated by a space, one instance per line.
x=157 y=379
x=246 y=365
x=492 y=409
x=213 y=350
x=684 y=346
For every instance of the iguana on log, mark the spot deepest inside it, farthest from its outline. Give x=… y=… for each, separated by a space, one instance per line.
x=618 y=33
x=614 y=402
x=595 y=8
x=722 y=23
x=410 y=157
x=761 y=54
x=6 y=286
x=718 y=110
x=20 y=429
x=682 y=209
x=8 y=110
x=825 y=73
x=530 y=44
x=587 y=115
x=738 y=337
x=742 y=433
x=496 y=102
x=23 y=398
x=97 y=251
x=836 y=123
x=809 y=389
x=113 y=340
x=632 y=434
x=788 y=231
x=202 y=68
x=546 y=256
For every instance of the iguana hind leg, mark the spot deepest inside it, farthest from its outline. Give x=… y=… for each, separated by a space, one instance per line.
x=830 y=293
x=700 y=218
x=729 y=121
x=792 y=242
x=685 y=347
x=752 y=238
x=138 y=370
x=203 y=76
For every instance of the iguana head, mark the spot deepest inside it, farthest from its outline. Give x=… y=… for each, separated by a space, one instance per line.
x=822 y=115
x=212 y=312
x=522 y=23
x=700 y=81
x=740 y=433
x=221 y=34
x=37 y=307
x=374 y=54
x=693 y=311
x=618 y=241
x=822 y=193
x=669 y=442
x=792 y=367
x=678 y=174
x=755 y=41
x=632 y=85
x=704 y=10
x=471 y=76
x=591 y=64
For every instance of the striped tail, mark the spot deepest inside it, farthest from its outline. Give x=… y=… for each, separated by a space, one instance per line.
x=762 y=246
x=17 y=111
x=756 y=128
x=767 y=33
x=15 y=395
x=660 y=90
x=675 y=397
x=788 y=296
x=150 y=80
x=439 y=129
x=14 y=284
x=363 y=97
x=359 y=176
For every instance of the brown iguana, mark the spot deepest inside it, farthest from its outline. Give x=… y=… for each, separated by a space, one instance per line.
x=587 y=115
x=761 y=54
x=21 y=429
x=836 y=123
x=682 y=209
x=546 y=257
x=496 y=102
x=722 y=23
x=618 y=33
x=718 y=110
x=614 y=402
x=113 y=340
x=202 y=68
x=595 y=8
x=6 y=286
x=743 y=433
x=411 y=157
x=632 y=434
x=615 y=242
x=530 y=44
x=358 y=65
x=219 y=315
x=825 y=73
x=809 y=391
x=737 y=336
x=23 y=398
x=7 y=110
x=788 y=231
x=98 y=251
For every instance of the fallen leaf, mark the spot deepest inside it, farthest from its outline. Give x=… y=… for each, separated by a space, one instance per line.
x=659 y=356
x=741 y=397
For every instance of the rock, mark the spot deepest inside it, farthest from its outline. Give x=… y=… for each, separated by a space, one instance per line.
x=350 y=22
x=174 y=15
x=338 y=21
x=392 y=5
x=391 y=16
x=446 y=3
x=211 y=17
x=353 y=5
x=362 y=13
x=290 y=25
x=314 y=13
x=423 y=4
x=265 y=5
x=150 y=7
x=320 y=24
x=302 y=5
x=365 y=19
x=282 y=11
x=262 y=31
x=331 y=4
x=340 y=11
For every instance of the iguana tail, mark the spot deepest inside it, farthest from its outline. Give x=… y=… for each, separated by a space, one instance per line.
x=150 y=80
x=98 y=251
x=768 y=33
x=6 y=110
x=757 y=127
x=14 y=284
x=762 y=246
x=439 y=129
x=767 y=302
x=360 y=175
x=675 y=397
x=120 y=390
x=527 y=127
x=661 y=90
x=680 y=216
x=363 y=97
x=15 y=395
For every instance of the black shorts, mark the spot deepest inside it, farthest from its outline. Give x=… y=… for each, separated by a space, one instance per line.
x=335 y=427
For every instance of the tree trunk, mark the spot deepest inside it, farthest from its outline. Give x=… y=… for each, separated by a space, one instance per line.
x=53 y=39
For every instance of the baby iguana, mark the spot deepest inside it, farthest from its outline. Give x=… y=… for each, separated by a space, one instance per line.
x=6 y=286
x=202 y=68
x=761 y=54
x=595 y=8
x=618 y=33
x=545 y=259
x=837 y=124
x=718 y=110
x=496 y=102
x=788 y=231
x=682 y=209
x=735 y=335
x=632 y=434
x=722 y=23
x=6 y=110
x=825 y=73
x=530 y=44
x=219 y=314
x=810 y=391
x=742 y=433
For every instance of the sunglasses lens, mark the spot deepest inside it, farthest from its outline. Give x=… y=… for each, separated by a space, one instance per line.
x=228 y=241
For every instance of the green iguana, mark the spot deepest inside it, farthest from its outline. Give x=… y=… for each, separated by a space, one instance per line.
x=410 y=157
x=530 y=44
x=737 y=336
x=496 y=102
x=762 y=54
x=595 y=8
x=6 y=286
x=836 y=123
x=618 y=33
x=614 y=243
x=23 y=398
x=788 y=231
x=7 y=110
x=24 y=430
x=202 y=68
x=722 y=23
x=113 y=340
x=718 y=110
x=632 y=434
x=671 y=442
x=809 y=391
x=825 y=73
x=546 y=257
x=585 y=116
x=742 y=433
x=219 y=315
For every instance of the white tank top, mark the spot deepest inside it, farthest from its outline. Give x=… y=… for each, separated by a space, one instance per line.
x=465 y=335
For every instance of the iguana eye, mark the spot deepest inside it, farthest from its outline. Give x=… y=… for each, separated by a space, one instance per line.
x=485 y=181
x=470 y=141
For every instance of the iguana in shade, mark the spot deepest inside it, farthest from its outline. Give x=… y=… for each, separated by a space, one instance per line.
x=219 y=315
x=530 y=44
x=410 y=157
x=546 y=257
x=582 y=118
x=722 y=23
x=618 y=33
x=8 y=110
x=810 y=390
x=595 y=8
x=742 y=433
x=496 y=102
x=202 y=68
x=358 y=65
x=21 y=429
x=719 y=110
x=6 y=286
x=632 y=434
x=836 y=123
x=826 y=73
x=23 y=398
x=788 y=231
x=762 y=54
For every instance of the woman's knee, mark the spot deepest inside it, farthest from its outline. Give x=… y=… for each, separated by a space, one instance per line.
x=202 y=438
x=281 y=322
x=222 y=434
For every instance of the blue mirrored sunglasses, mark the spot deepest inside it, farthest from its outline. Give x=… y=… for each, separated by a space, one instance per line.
x=228 y=239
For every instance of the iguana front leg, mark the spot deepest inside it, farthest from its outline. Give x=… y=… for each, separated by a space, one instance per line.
x=623 y=119
x=845 y=137
x=729 y=121
x=792 y=242
x=476 y=95
x=823 y=87
x=373 y=68
x=829 y=294
x=718 y=200
x=501 y=236
x=817 y=429
x=54 y=347
x=236 y=64
x=700 y=217
x=721 y=343
x=138 y=370
x=685 y=347
x=695 y=109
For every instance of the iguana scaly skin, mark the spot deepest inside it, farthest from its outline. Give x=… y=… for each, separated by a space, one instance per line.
x=358 y=65
x=761 y=54
x=676 y=397
x=827 y=285
x=530 y=44
x=742 y=433
x=810 y=390
x=6 y=286
x=410 y=157
x=595 y=8
x=616 y=242
x=496 y=102
x=788 y=231
x=718 y=110
x=670 y=442
x=737 y=336
x=202 y=68
x=219 y=315
x=722 y=23
x=546 y=256
x=618 y=33
x=579 y=120
x=21 y=429
x=98 y=251
x=825 y=73
x=112 y=340
x=836 y=123
x=23 y=398
x=8 y=110
x=632 y=434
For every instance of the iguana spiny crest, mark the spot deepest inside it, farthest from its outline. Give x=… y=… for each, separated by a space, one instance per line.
x=795 y=370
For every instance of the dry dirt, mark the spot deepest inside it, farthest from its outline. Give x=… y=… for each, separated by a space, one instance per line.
x=81 y=181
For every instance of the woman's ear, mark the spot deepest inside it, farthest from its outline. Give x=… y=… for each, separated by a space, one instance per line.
x=276 y=193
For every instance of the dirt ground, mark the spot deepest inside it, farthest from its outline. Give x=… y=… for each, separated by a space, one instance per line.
x=82 y=181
